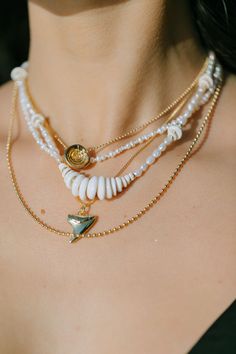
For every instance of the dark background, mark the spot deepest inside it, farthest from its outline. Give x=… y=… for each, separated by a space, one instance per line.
x=14 y=36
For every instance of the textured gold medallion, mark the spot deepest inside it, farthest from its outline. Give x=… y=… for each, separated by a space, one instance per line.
x=80 y=224
x=76 y=156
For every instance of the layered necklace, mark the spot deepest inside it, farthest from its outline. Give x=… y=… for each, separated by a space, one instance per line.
x=73 y=160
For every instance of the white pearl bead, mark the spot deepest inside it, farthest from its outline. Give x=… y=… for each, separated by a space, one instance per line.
x=138 y=172
x=168 y=139
x=92 y=187
x=83 y=188
x=144 y=167
x=108 y=188
x=113 y=186
x=119 y=184
x=212 y=56
x=101 y=188
x=18 y=74
x=150 y=160
x=156 y=153
x=190 y=108
x=76 y=184
x=162 y=146
x=38 y=119
x=183 y=120
x=25 y=65
x=163 y=128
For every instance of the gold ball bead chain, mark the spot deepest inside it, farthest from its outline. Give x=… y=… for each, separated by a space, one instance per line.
x=132 y=219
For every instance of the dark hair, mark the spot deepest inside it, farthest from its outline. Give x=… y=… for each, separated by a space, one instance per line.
x=215 y=22
x=216 y=25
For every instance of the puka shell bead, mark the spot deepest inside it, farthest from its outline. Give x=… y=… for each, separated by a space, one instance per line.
x=119 y=184
x=113 y=186
x=127 y=178
x=131 y=175
x=61 y=166
x=83 y=188
x=92 y=188
x=108 y=188
x=69 y=178
x=18 y=74
x=65 y=171
x=75 y=185
x=101 y=191
x=124 y=182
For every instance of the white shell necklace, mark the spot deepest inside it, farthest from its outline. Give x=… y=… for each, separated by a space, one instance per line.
x=100 y=187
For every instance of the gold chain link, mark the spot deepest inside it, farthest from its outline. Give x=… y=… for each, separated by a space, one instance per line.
x=128 y=221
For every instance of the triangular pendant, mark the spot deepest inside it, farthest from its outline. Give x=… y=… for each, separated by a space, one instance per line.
x=80 y=224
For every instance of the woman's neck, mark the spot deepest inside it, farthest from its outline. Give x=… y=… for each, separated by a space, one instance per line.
x=98 y=70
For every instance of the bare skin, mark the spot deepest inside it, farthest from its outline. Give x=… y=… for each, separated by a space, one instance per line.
x=156 y=286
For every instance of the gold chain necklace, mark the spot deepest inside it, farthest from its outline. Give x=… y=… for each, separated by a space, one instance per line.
x=183 y=97
x=132 y=219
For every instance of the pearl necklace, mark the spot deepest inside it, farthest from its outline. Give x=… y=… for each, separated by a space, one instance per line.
x=77 y=234
x=36 y=120
x=100 y=187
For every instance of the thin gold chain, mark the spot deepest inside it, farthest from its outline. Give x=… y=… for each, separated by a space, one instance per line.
x=123 y=168
x=128 y=221
x=139 y=128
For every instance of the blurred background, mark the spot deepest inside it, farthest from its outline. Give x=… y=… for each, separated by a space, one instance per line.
x=14 y=36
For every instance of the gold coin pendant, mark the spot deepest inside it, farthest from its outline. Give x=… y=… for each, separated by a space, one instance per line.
x=76 y=156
